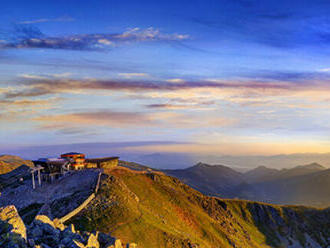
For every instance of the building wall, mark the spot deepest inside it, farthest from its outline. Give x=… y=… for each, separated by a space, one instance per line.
x=79 y=160
x=77 y=210
x=84 y=204
x=91 y=165
x=74 y=156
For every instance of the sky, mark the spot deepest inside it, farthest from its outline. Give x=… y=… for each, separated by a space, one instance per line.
x=236 y=77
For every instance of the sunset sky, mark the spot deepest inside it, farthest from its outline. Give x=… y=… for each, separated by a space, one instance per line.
x=221 y=77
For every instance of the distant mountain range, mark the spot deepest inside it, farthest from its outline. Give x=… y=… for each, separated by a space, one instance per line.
x=168 y=160
x=306 y=184
x=239 y=163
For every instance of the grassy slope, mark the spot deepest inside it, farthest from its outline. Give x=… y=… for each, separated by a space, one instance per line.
x=9 y=163
x=155 y=210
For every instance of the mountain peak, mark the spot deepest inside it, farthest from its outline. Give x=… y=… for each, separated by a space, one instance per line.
x=262 y=167
x=201 y=164
x=312 y=166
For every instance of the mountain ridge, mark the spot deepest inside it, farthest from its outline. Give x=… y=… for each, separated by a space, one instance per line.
x=157 y=210
x=260 y=184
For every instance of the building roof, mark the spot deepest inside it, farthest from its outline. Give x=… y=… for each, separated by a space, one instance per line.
x=50 y=161
x=72 y=153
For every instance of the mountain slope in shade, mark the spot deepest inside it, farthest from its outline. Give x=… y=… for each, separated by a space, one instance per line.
x=300 y=170
x=159 y=211
x=305 y=184
x=210 y=179
x=309 y=189
x=263 y=174
x=9 y=163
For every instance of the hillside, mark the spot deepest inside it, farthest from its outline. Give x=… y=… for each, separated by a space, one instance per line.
x=156 y=210
x=9 y=163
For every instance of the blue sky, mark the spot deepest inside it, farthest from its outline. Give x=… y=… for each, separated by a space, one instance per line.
x=218 y=77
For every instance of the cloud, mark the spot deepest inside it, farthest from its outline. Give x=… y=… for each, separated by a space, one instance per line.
x=196 y=96
x=24 y=103
x=165 y=106
x=175 y=80
x=43 y=20
x=106 y=118
x=133 y=74
x=92 y=120
x=31 y=37
x=138 y=34
x=161 y=95
x=196 y=104
x=36 y=86
x=25 y=109
x=324 y=69
x=290 y=76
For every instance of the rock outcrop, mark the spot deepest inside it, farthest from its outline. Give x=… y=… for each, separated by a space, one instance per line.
x=45 y=233
x=12 y=228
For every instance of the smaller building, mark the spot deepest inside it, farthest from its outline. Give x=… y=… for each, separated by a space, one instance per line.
x=104 y=163
x=51 y=168
x=77 y=160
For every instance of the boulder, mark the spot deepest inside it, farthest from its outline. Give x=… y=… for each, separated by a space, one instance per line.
x=93 y=241
x=72 y=228
x=45 y=233
x=36 y=231
x=118 y=244
x=77 y=244
x=58 y=224
x=70 y=234
x=105 y=240
x=13 y=230
x=45 y=220
x=43 y=230
x=31 y=242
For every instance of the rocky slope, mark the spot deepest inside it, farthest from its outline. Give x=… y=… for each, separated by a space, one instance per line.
x=57 y=199
x=45 y=233
x=156 y=210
